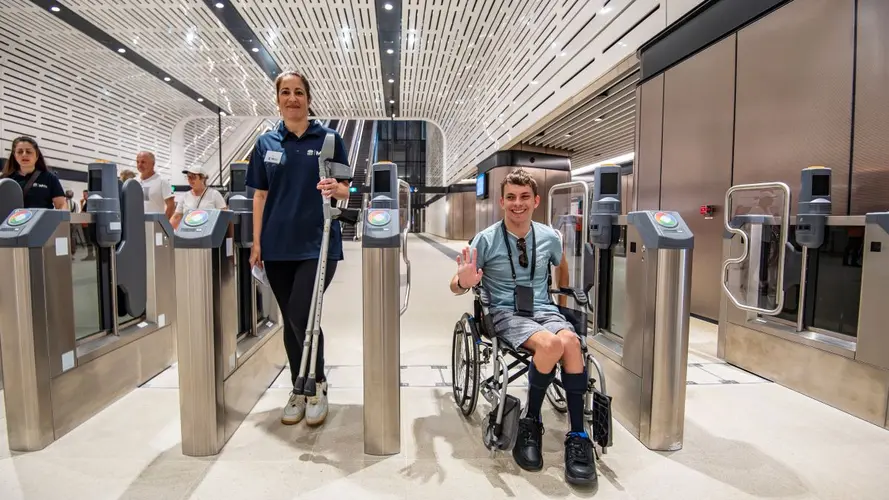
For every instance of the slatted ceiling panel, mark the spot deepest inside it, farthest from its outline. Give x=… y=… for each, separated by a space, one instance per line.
x=80 y=103
x=185 y=39
x=342 y=65
x=591 y=141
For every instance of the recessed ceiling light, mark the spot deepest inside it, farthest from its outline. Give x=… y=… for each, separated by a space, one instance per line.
x=166 y=78
x=391 y=80
x=121 y=50
x=390 y=51
x=55 y=8
x=219 y=5
x=200 y=99
x=533 y=82
x=388 y=6
x=598 y=119
x=255 y=49
x=391 y=101
x=222 y=114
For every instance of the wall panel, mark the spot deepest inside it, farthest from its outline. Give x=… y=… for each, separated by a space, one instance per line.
x=870 y=165
x=697 y=158
x=794 y=96
x=650 y=96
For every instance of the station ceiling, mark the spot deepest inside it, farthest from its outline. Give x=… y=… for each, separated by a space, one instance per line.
x=488 y=73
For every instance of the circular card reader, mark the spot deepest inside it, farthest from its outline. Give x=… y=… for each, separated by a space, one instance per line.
x=666 y=220
x=196 y=218
x=19 y=217
x=378 y=218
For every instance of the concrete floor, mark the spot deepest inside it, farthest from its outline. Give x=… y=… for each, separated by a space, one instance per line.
x=744 y=437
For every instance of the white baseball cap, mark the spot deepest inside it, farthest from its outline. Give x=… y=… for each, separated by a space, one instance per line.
x=194 y=169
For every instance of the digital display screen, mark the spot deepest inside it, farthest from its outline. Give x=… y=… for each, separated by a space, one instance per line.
x=382 y=182
x=480 y=187
x=238 y=181
x=608 y=184
x=820 y=185
x=94 y=184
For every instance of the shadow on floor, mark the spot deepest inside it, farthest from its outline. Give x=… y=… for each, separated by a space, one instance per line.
x=464 y=435
x=737 y=464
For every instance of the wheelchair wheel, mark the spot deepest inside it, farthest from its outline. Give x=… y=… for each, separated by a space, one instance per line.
x=464 y=366
x=556 y=397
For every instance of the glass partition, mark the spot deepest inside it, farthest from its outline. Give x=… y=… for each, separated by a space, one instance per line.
x=835 y=280
x=86 y=293
x=617 y=285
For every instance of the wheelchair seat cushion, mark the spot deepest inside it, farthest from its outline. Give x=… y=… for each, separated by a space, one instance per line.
x=514 y=330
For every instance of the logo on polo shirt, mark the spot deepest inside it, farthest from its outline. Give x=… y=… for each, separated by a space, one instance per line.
x=312 y=152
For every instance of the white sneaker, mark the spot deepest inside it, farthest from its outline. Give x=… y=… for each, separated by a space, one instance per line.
x=294 y=410
x=317 y=406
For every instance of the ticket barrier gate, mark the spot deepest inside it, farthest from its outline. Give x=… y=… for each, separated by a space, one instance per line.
x=804 y=294
x=641 y=297
x=77 y=334
x=384 y=244
x=220 y=378
x=11 y=198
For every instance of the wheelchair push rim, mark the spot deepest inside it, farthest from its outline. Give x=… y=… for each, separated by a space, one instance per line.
x=464 y=366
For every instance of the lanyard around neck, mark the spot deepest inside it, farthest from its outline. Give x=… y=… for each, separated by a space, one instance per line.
x=533 y=252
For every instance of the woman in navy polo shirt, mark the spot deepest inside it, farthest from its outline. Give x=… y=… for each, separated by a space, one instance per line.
x=288 y=222
x=42 y=188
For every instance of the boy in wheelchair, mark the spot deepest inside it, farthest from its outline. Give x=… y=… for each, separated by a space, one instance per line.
x=511 y=260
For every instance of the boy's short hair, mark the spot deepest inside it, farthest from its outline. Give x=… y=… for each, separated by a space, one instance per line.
x=518 y=177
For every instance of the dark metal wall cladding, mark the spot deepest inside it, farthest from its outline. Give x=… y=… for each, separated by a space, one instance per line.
x=697 y=158
x=870 y=165
x=794 y=96
x=648 y=152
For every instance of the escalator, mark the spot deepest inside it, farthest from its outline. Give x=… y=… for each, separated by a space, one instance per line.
x=359 y=159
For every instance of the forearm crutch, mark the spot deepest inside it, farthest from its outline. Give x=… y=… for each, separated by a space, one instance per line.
x=305 y=384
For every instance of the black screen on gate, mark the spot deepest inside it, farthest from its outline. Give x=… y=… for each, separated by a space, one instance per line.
x=382 y=182
x=94 y=184
x=608 y=184
x=820 y=185
x=238 y=181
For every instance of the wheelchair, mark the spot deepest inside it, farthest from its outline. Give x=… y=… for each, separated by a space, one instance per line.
x=475 y=345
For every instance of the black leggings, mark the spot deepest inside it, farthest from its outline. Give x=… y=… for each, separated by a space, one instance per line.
x=293 y=283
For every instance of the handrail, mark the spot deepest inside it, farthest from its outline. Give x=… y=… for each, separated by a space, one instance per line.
x=745 y=244
x=407 y=226
x=240 y=153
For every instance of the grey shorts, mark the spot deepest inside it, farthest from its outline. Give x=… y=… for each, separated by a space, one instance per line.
x=515 y=330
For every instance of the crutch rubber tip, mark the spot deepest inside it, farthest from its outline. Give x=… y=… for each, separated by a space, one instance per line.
x=298 y=387
x=310 y=388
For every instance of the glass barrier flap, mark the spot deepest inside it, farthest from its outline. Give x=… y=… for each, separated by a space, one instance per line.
x=85 y=278
x=756 y=221
x=568 y=203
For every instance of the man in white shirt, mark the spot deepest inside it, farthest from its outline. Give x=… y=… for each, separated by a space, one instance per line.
x=158 y=194
x=200 y=195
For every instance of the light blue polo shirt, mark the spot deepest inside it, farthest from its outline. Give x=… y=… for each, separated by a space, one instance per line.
x=493 y=260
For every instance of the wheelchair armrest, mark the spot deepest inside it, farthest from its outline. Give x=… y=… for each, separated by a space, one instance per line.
x=483 y=295
x=580 y=296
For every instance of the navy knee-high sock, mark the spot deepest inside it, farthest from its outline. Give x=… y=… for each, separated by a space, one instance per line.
x=537 y=385
x=575 y=385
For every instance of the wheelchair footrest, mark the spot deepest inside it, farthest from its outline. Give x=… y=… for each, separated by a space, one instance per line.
x=601 y=420
x=503 y=437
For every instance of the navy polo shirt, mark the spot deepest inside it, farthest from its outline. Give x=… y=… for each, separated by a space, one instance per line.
x=287 y=167
x=46 y=187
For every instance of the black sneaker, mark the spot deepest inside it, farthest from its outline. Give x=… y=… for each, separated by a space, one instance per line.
x=526 y=451
x=580 y=465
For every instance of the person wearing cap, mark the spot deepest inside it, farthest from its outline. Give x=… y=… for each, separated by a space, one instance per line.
x=200 y=195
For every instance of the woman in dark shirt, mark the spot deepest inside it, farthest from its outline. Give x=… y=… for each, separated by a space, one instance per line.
x=26 y=166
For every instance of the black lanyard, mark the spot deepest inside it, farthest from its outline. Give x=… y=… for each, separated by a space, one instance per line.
x=533 y=253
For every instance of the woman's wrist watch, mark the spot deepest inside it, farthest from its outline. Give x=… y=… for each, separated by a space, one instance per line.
x=459 y=286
